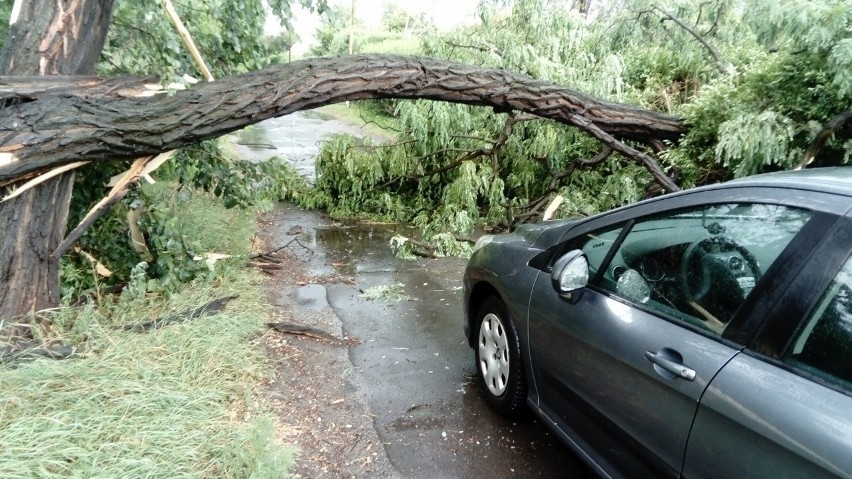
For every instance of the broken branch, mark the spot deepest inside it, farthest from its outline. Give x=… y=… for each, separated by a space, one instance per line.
x=209 y=309
x=304 y=330
x=721 y=64
x=831 y=126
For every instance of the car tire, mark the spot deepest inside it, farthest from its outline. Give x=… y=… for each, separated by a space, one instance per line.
x=499 y=366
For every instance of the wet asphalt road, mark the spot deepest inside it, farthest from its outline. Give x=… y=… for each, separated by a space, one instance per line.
x=413 y=365
x=296 y=137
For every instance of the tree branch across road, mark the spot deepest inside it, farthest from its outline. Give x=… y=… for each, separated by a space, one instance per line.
x=42 y=129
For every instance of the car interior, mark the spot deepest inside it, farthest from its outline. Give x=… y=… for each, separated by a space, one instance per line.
x=697 y=266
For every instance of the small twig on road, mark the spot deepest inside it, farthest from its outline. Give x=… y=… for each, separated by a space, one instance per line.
x=417 y=406
x=304 y=330
x=268 y=255
x=268 y=146
x=273 y=264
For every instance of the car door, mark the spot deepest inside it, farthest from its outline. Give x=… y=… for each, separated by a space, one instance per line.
x=783 y=408
x=621 y=366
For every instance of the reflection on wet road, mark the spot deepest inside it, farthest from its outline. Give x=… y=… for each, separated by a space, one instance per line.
x=416 y=370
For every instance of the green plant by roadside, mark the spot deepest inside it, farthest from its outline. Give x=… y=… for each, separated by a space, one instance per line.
x=180 y=401
x=756 y=91
x=175 y=219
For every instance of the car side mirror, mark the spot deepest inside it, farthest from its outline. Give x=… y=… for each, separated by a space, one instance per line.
x=570 y=273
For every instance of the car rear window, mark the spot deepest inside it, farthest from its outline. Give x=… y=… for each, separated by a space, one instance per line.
x=823 y=345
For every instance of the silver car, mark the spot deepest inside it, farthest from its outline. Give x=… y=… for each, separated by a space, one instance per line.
x=703 y=334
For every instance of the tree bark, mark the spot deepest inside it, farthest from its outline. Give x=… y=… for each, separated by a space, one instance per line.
x=827 y=132
x=51 y=130
x=15 y=89
x=48 y=123
x=49 y=37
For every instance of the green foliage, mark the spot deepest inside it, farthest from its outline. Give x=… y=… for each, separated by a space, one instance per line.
x=388 y=292
x=398 y=19
x=279 y=46
x=229 y=35
x=332 y=36
x=333 y=33
x=237 y=182
x=174 y=402
x=180 y=224
x=182 y=219
x=142 y=41
x=750 y=141
x=176 y=257
x=755 y=93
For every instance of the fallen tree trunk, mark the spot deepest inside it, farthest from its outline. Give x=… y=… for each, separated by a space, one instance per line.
x=44 y=130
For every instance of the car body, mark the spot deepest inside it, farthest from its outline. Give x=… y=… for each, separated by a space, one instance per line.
x=706 y=333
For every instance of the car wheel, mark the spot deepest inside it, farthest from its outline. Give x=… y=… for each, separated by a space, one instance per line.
x=498 y=358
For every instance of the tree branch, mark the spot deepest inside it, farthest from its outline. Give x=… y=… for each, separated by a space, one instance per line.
x=115 y=195
x=469 y=155
x=597 y=159
x=52 y=130
x=831 y=126
x=29 y=89
x=645 y=160
x=721 y=65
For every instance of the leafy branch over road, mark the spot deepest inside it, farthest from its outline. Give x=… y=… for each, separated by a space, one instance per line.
x=46 y=130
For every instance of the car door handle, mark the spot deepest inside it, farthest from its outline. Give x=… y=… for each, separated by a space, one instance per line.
x=676 y=368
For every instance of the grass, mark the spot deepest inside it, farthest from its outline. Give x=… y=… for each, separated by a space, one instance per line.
x=203 y=218
x=180 y=401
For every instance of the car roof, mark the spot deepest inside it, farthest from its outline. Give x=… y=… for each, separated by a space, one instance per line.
x=831 y=180
x=836 y=180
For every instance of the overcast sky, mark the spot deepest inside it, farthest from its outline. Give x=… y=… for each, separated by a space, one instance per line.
x=447 y=13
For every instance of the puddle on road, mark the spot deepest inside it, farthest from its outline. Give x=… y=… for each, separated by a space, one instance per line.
x=312 y=296
x=411 y=352
x=363 y=247
x=413 y=362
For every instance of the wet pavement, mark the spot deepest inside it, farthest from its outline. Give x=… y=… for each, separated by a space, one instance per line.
x=294 y=137
x=410 y=361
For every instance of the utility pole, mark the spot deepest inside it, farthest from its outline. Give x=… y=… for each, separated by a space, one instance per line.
x=352 y=29
x=351 y=34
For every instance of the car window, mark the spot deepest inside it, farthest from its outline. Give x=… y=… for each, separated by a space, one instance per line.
x=698 y=265
x=596 y=245
x=823 y=345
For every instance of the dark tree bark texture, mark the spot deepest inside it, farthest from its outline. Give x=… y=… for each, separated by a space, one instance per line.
x=54 y=129
x=55 y=37
x=46 y=123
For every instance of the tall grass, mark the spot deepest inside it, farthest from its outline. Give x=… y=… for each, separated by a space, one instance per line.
x=176 y=402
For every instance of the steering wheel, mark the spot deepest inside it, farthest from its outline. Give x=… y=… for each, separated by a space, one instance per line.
x=729 y=257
